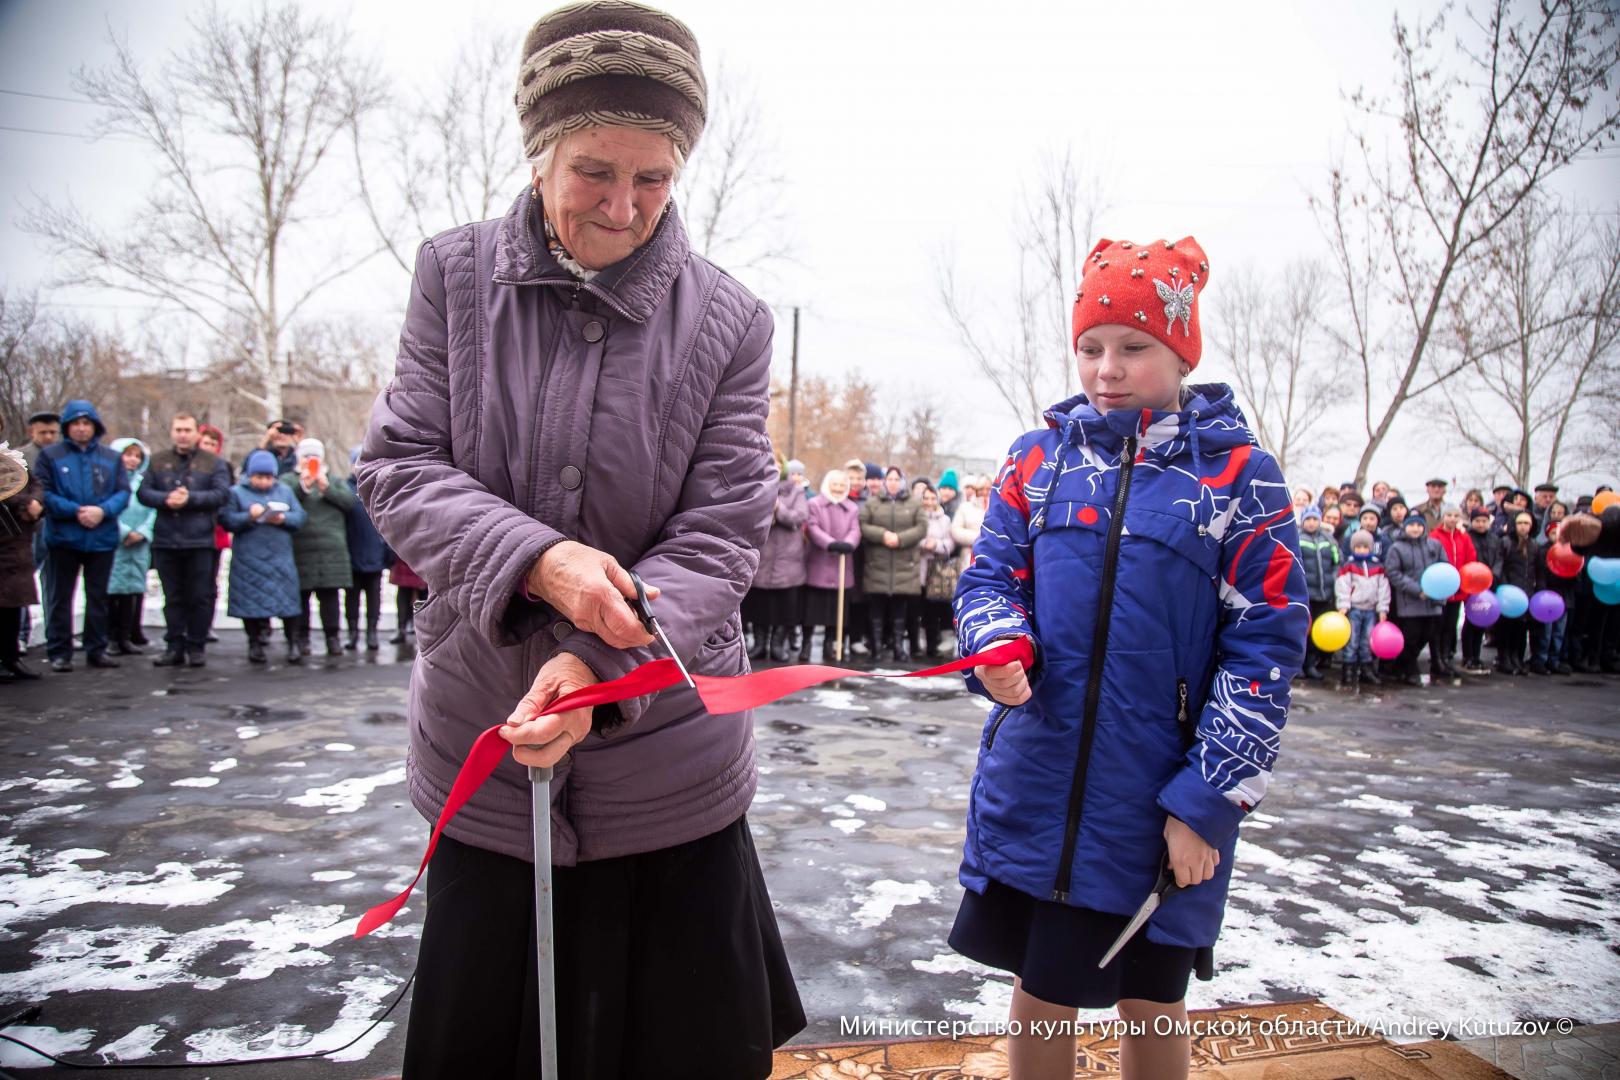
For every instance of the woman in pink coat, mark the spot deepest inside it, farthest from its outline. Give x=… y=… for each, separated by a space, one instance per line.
x=834 y=532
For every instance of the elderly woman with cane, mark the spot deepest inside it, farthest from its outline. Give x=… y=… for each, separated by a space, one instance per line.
x=579 y=395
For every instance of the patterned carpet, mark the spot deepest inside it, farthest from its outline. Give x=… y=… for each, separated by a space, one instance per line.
x=1302 y=1040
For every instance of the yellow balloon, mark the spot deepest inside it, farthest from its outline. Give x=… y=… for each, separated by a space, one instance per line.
x=1331 y=632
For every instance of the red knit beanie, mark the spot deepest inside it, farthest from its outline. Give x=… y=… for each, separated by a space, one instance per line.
x=1152 y=287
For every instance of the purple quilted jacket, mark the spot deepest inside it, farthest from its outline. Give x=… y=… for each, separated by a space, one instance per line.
x=627 y=413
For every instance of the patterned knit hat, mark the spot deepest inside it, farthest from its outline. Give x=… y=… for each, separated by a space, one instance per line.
x=1151 y=287
x=610 y=62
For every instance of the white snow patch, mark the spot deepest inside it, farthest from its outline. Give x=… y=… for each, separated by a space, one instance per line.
x=79 y=762
x=29 y=818
x=247 y=731
x=1376 y=803
x=884 y=896
x=848 y=825
x=362 y=998
x=137 y=1044
x=126 y=777
x=33 y=888
x=332 y=875
x=835 y=699
x=769 y=797
x=61 y=786
x=222 y=766
x=48 y=1039
x=163 y=731
x=347 y=796
x=338 y=747
x=195 y=781
x=866 y=803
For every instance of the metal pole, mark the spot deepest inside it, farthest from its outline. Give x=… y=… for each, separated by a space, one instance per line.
x=793 y=391
x=544 y=953
x=838 y=648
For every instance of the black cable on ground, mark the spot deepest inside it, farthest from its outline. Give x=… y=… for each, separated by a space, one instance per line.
x=32 y=1012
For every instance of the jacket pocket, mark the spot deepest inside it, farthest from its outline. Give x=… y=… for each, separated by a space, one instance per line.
x=997 y=716
x=434 y=620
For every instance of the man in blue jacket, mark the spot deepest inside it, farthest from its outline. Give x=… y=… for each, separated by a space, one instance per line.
x=187 y=485
x=86 y=487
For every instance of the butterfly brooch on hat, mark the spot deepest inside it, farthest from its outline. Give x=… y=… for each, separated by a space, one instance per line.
x=1178 y=304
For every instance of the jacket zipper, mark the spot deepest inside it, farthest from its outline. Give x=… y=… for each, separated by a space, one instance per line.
x=1183 y=721
x=1099 y=642
x=576 y=286
x=995 y=725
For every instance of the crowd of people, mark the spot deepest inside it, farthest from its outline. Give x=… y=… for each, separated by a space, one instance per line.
x=900 y=545
x=885 y=549
x=102 y=515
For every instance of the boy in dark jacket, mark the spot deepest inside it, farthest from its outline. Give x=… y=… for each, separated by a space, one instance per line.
x=1320 y=557
x=1416 y=614
x=1487 y=550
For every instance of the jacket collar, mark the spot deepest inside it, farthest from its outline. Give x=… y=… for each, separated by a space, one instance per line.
x=634 y=287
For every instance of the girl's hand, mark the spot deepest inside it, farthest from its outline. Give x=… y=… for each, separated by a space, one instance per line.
x=1007 y=683
x=1382 y=617
x=1191 y=860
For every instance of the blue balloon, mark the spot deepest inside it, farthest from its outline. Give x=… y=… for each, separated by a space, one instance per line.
x=1607 y=594
x=1440 y=581
x=1513 y=601
x=1603 y=571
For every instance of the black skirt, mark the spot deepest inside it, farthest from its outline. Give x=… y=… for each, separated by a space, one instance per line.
x=668 y=963
x=1054 y=948
x=821 y=607
x=773 y=607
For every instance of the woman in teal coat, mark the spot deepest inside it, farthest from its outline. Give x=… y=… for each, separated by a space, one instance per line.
x=126 y=588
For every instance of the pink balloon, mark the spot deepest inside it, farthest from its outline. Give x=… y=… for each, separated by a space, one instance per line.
x=1387 y=641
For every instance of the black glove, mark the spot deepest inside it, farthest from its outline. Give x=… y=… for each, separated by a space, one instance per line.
x=839 y=547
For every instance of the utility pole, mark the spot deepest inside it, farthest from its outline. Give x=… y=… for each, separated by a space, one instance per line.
x=793 y=390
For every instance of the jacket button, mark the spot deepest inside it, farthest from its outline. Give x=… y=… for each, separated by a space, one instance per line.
x=570 y=477
x=593 y=331
x=561 y=629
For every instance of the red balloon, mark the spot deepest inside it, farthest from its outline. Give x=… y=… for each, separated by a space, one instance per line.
x=1562 y=560
x=1476 y=578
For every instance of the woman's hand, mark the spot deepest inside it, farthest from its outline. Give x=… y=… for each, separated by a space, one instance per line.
x=551 y=737
x=891 y=539
x=1191 y=860
x=1578 y=530
x=1007 y=683
x=589 y=588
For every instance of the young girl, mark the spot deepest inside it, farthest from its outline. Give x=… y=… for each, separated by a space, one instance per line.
x=1147 y=548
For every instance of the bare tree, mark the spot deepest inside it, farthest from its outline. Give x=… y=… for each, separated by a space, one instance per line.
x=732 y=196
x=46 y=360
x=241 y=120
x=1032 y=364
x=1554 y=288
x=1530 y=90
x=1287 y=368
x=452 y=153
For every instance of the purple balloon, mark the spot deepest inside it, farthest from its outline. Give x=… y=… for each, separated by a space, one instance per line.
x=1546 y=606
x=1482 y=609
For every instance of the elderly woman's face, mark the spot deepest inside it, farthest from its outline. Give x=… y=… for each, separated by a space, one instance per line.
x=837 y=485
x=605 y=191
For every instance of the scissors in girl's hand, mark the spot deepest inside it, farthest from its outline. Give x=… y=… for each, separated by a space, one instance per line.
x=1163 y=889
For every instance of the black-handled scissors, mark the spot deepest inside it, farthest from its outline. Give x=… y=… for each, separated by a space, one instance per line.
x=643 y=609
x=1163 y=889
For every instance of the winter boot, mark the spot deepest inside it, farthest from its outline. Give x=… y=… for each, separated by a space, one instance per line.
x=295 y=650
x=762 y=642
x=804 y=644
x=371 y=639
x=1355 y=677
x=1309 y=671
x=779 y=644
x=354 y=640
x=255 y=648
x=1344 y=675
x=334 y=643
x=876 y=640
x=902 y=642
x=1369 y=672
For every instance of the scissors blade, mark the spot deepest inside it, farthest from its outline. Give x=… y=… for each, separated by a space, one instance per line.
x=1143 y=913
x=671 y=650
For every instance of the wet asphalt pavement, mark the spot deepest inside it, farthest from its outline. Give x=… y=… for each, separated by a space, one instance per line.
x=183 y=856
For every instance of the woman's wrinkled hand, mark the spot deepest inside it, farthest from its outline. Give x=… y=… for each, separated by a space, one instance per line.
x=545 y=740
x=1191 y=859
x=589 y=588
x=1578 y=530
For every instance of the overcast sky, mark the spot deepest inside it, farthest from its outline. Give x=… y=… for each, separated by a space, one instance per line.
x=906 y=131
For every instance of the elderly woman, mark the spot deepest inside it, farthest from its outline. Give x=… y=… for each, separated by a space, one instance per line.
x=775 y=602
x=833 y=532
x=578 y=394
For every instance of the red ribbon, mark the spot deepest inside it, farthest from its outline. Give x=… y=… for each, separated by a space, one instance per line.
x=720 y=695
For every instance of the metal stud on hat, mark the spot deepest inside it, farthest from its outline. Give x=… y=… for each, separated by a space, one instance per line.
x=1103 y=300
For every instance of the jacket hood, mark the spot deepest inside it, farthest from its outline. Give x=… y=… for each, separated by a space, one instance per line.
x=905 y=486
x=1208 y=420
x=634 y=286
x=77 y=409
x=119 y=445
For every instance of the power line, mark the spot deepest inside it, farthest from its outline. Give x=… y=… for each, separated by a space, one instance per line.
x=48 y=97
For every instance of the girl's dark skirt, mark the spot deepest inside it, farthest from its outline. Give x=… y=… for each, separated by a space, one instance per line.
x=1054 y=948
x=669 y=963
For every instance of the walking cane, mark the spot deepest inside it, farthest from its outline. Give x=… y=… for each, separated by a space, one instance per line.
x=838 y=647
x=540 y=788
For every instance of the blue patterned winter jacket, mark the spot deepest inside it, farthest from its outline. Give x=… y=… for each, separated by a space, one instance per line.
x=1153 y=559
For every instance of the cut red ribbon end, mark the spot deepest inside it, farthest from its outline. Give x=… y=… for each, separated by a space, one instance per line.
x=720 y=695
